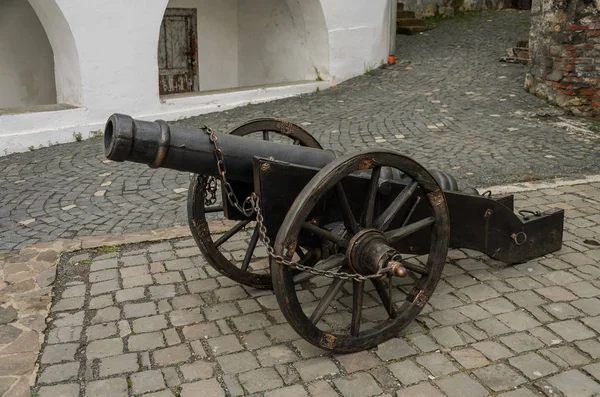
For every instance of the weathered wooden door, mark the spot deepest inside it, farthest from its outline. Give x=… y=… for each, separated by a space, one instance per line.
x=178 y=52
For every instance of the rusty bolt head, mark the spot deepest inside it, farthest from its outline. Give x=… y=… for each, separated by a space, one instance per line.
x=397 y=269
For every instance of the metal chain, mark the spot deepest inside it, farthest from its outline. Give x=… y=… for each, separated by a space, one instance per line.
x=209 y=190
x=251 y=205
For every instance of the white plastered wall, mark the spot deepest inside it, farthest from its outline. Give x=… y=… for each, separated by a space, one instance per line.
x=281 y=41
x=107 y=62
x=217 y=24
x=26 y=59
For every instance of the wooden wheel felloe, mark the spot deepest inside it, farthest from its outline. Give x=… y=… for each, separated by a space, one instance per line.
x=352 y=315
x=245 y=269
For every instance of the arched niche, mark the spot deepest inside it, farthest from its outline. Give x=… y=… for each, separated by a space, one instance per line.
x=26 y=60
x=207 y=45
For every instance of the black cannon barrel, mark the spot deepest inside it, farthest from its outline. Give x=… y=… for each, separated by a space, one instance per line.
x=159 y=144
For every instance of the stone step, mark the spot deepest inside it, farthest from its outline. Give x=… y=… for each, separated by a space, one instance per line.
x=411 y=22
x=410 y=30
x=405 y=14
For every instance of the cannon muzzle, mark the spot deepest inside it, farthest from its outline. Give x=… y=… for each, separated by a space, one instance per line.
x=159 y=144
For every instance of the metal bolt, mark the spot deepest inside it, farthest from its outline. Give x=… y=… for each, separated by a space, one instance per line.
x=397 y=269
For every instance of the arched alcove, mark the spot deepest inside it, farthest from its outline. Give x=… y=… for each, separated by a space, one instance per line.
x=26 y=60
x=207 y=45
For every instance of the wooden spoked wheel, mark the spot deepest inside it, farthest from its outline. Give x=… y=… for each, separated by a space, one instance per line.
x=233 y=252
x=351 y=315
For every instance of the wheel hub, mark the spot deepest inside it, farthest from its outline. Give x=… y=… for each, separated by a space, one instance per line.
x=369 y=252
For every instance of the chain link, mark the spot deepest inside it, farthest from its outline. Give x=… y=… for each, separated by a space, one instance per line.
x=251 y=205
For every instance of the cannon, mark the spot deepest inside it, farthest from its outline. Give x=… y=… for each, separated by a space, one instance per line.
x=367 y=233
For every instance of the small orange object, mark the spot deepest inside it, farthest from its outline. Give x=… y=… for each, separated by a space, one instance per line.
x=391 y=60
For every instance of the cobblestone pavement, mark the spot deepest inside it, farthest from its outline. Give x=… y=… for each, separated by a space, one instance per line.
x=448 y=102
x=156 y=320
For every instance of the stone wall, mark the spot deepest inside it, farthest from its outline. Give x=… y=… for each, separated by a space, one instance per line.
x=565 y=54
x=430 y=8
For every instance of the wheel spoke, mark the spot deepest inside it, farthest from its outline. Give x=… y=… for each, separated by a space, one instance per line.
x=251 y=248
x=335 y=287
x=266 y=135
x=325 y=234
x=385 y=298
x=331 y=262
x=349 y=220
x=384 y=220
x=231 y=232
x=412 y=210
x=371 y=195
x=396 y=235
x=215 y=208
x=300 y=253
x=415 y=268
x=358 y=288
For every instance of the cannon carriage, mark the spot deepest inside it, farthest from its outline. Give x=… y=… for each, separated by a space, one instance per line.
x=366 y=232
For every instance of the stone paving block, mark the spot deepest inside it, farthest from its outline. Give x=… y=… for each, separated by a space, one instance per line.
x=117 y=365
x=199 y=286
x=290 y=391
x=137 y=281
x=134 y=260
x=59 y=373
x=469 y=358
x=74 y=291
x=420 y=390
x=532 y=365
x=479 y=292
x=525 y=298
x=583 y=289
x=133 y=310
x=168 y=278
x=104 y=348
x=562 y=311
x=186 y=317
x=407 y=372
x=591 y=347
x=423 y=342
x=592 y=322
x=64 y=390
x=204 y=388
x=171 y=355
x=593 y=370
x=574 y=383
x=103 y=287
x=447 y=337
x=107 y=314
x=67 y=304
x=64 y=334
x=99 y=302
x=201 y=331
x=437 y=364
x=238 y=362
x=571 y=330
x=358 y=385
x=492 y=350
x=251 y=322
x=57 y=353
x=232 y=293
x=461 y=385
x=198 y=370
x=564 y=356
x=518 y=320
x=590 y=306
x=147 y=381
x=114 y=387
x=521 y=342
x=149 y=324
x=448 y=317
x=133 y=271
x=130 y=294
x=162 y=291
x=145 y=341
x=172 y=337
x=274 y=355
x=221 y=310
x=186 y=302
x=100 y=331
x=103 y=264
x=497 y=306
x=353 y=362
x=556 y=294
x=444 y=301
x=393 y=349
x=103 y=275
x=493 y=327
x=260 y=380
x=315 y=368
x=499 y=377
